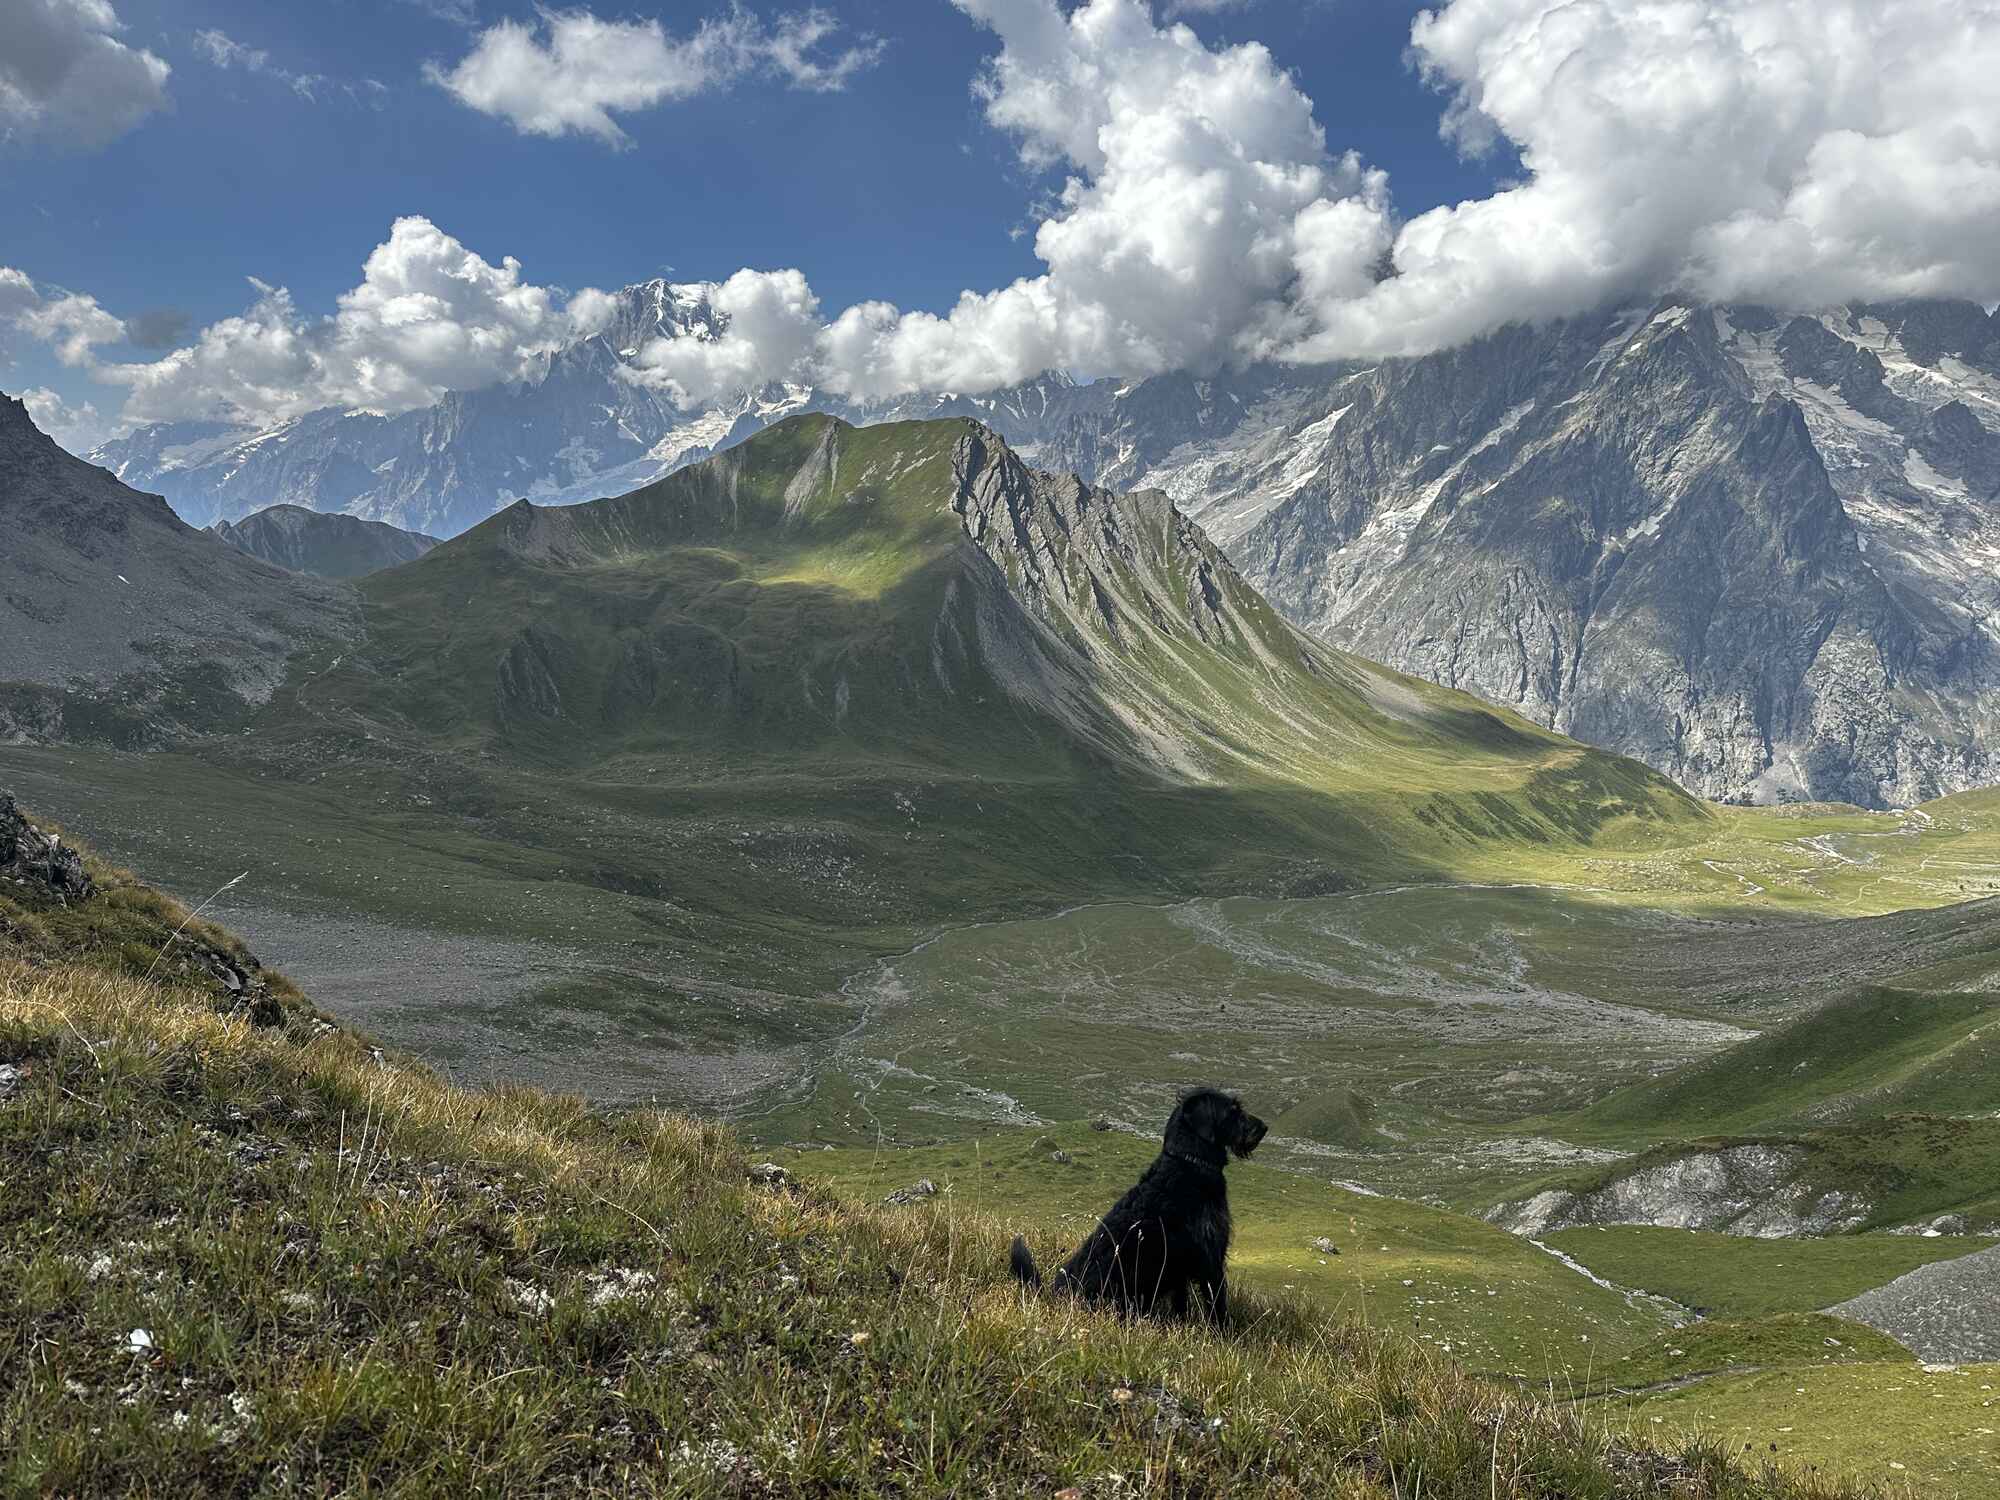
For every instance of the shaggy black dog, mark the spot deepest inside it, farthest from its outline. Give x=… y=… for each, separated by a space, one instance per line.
x=1163 y=1246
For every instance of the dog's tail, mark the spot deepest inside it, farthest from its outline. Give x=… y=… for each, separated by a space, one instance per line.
x=1022 y=1262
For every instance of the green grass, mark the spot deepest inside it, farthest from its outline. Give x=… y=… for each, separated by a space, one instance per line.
x=1899 y=1426
x=1789 y=1341
x=1730 y=1277
x=240 y=1258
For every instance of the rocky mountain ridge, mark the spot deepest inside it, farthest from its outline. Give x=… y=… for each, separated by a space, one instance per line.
x=121 y=623
x=324 y=544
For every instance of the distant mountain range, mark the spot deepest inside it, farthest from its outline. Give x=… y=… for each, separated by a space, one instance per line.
x=325 y=544
x=577 y=429
x=1756 y=551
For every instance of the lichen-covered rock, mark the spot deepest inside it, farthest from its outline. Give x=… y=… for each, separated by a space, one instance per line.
x=39 y=861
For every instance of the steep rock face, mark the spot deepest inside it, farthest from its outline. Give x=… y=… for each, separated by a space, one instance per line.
x=120 y=623
x=327 y=546
x=1734 y=546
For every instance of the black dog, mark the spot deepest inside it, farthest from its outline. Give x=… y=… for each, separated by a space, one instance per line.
x=1163 y=1246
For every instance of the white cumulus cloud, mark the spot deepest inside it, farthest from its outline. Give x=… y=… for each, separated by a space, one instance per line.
x=1798 y=152
x=772 y=331
x=573 y=71
x=1199 y=192
x=65 y=77
x=429 y=316
x=1794 y=152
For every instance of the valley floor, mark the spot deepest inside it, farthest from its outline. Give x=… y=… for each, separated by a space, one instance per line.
x=1445 y=1043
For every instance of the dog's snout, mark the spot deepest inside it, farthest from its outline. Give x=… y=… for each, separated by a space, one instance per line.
x=1250 y=1134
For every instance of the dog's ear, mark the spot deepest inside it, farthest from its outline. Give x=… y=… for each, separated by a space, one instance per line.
x=1206 y=1115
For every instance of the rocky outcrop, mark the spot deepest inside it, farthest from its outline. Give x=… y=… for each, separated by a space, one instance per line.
x=39 y=871
x=1752 y=1189
x=39 y=862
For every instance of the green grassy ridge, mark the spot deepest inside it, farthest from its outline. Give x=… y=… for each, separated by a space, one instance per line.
x=811 y=597
x=245 y=1257
x=1732 y=1278
x=1878 y=1049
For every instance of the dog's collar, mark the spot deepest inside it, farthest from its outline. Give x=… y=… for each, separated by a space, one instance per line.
x=1190 y=1158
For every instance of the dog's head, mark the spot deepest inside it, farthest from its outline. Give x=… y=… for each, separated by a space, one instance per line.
x=1209 y=1123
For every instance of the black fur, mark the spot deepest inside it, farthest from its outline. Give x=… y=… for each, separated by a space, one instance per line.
x=1163 y=1248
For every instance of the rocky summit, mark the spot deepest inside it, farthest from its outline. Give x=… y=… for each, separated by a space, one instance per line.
x=1755 y=550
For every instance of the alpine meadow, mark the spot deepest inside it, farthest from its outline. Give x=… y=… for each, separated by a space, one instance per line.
x=1083 y=748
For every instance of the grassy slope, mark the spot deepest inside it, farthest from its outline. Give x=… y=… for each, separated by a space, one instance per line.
x=1876 y=1050
x=1737 y=1380
x=1478 y=1293
x=240 y=1257
x=1917 y=1431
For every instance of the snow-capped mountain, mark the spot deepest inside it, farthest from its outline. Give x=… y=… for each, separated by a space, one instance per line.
x=1757 y=551
x=576 y=429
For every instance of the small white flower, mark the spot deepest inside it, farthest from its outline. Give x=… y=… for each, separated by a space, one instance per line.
x=617 y=1284
x=530 y=1298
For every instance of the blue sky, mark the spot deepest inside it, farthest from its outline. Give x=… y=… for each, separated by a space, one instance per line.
x=894 y=187
x=847 y=170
